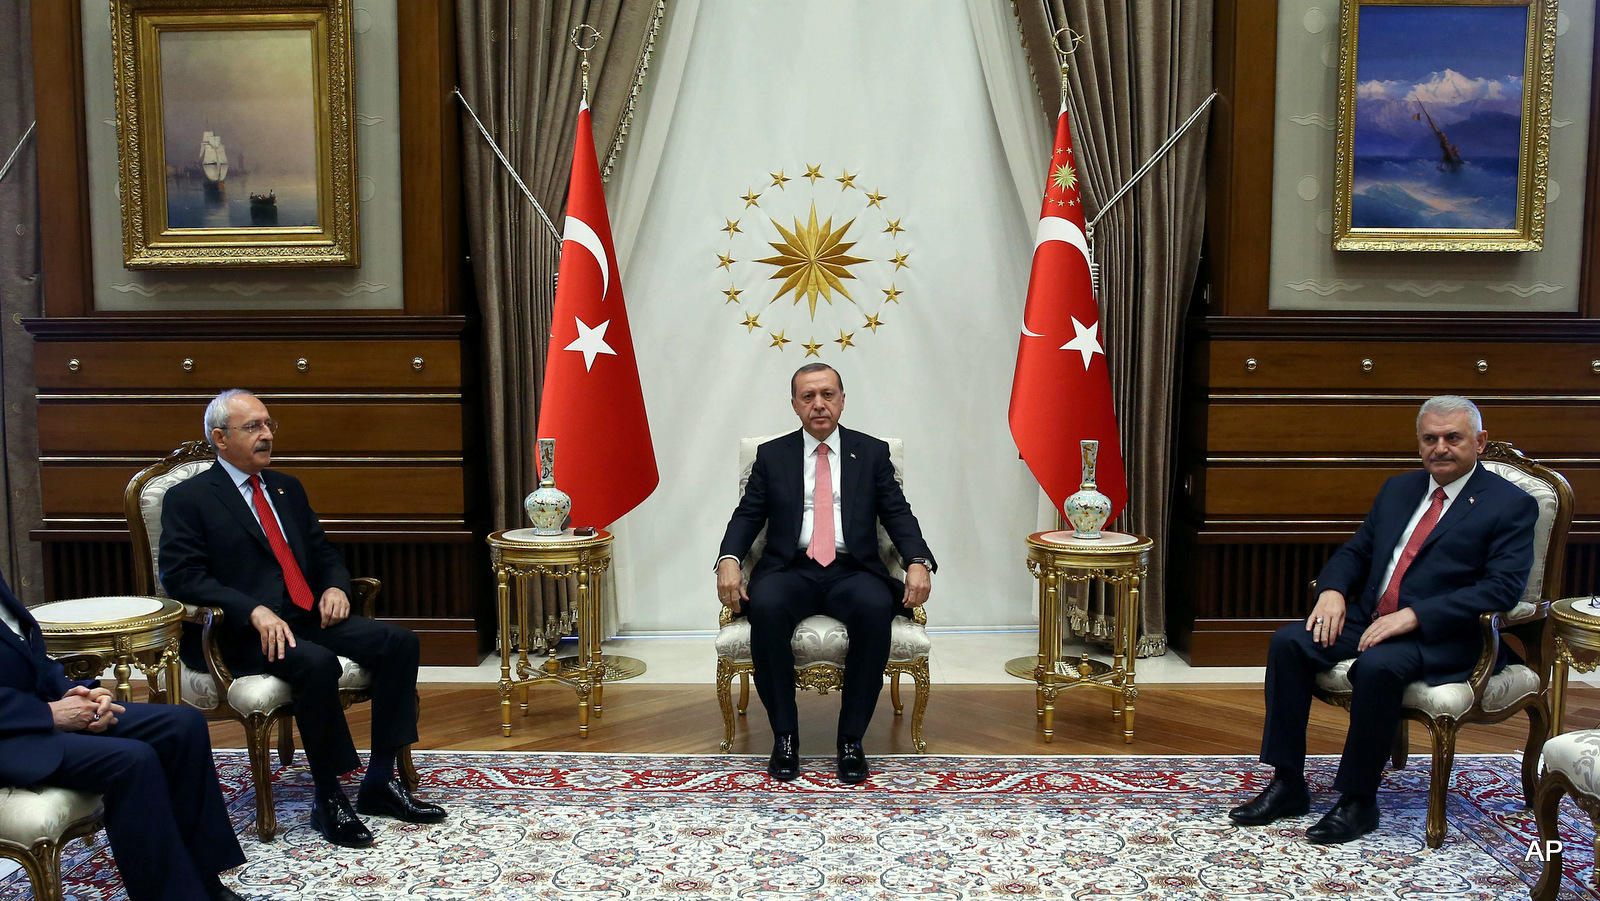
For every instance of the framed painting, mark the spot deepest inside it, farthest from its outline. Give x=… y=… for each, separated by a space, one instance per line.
x=235 y=133
x=1443 y=139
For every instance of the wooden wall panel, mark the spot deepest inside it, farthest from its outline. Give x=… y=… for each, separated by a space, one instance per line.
x=1385 y=426
x=337 y=490
x=71 y=427
x=211 y=366
x=1443 y=367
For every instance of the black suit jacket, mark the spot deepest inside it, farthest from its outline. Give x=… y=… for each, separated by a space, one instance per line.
x=30 y=746
x=868 y=495
x=213 y=552
x=1476 y=560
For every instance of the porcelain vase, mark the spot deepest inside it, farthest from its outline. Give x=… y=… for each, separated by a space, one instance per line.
x=547 y=505
x=1087 y=509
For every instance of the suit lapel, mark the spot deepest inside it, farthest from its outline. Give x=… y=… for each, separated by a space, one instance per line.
x=1400 y=507
x=792 y=467
x=232 y=500
x=1462 y=507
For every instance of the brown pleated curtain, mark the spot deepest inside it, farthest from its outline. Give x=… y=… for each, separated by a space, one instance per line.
x=523 y=77
x=20 y=509
x=1144 y=67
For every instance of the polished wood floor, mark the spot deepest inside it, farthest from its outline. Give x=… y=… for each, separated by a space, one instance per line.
x=961 y=719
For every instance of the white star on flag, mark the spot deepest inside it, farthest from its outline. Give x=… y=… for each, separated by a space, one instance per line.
x=1086 y=341
x=591 y=342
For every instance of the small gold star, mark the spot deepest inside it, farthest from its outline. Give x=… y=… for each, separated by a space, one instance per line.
x=731 y=227
x=876 y=199
x=873 y=322
x=778 y=340
x=724 y=260
x=899 y=259
x=846 y=180
x=813 y=173
x=778 y=178
x=750 y=198
x=752 y=321
x=733 y=294
x=894 y=227
x=891 y=294
x=813 y=348
x=844 y=339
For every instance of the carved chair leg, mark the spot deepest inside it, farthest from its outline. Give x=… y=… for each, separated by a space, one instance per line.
x=1443 y=730
x=408 y=769
x=919 y=676
x=744 y=693
x=725 y=700
x=1402 y=745
x=43 y=867
x=285 y=739
x=258 y=738
x=1546 y=808
x=1538 y=733
x=894 y=692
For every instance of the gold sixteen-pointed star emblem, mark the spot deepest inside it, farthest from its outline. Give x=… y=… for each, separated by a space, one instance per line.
x=812 y=260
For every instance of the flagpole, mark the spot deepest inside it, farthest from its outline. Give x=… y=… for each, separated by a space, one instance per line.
x=1073 y=41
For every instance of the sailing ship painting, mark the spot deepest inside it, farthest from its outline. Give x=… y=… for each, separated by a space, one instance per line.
x=1438 y=117
x=245 y=94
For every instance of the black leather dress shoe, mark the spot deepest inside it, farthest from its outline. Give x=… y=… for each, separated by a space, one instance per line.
x=1349 y=819
x=852 y=763
x=393 y=799
x=338 y=823
x=1281 y=798
x=784 y=764
x=223 y=893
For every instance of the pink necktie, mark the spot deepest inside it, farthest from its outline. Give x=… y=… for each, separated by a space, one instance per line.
x=293 y=579
x=822 y=549
x=1390 y=602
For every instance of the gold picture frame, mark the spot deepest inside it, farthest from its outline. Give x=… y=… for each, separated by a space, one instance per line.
x=1443 y=136
x=266 y=94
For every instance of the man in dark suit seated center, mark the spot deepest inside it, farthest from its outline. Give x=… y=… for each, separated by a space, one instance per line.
x=1440 y=546
x=823 y=562
x=245 y=539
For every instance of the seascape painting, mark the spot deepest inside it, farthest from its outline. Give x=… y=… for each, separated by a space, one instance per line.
x=1439 y=122
x=239 y=128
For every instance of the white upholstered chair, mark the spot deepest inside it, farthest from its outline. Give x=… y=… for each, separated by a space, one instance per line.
x=820 y=642
x=36 y=822
x=1490 y=697
x=259 y=702
x=1571 y=767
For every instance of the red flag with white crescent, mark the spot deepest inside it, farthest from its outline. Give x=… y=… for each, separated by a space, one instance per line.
x=1061 y=393
x=593 y=405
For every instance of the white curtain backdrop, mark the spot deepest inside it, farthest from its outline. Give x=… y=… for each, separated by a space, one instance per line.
x=934 y=116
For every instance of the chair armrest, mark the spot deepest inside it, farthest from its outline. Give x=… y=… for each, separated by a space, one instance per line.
x=725 y=618
x=366 y=590
x=1490 y=625
x=919 y=616
x=210 y=622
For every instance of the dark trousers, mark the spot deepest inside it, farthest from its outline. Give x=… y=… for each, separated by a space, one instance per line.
x=1378 y=680
x=845 y=591
x=165 y=820
x=312 y=670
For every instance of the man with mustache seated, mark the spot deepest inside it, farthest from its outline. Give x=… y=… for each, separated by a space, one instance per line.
x=245 y=539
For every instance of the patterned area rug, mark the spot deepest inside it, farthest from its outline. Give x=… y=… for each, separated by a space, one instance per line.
x=592 y=826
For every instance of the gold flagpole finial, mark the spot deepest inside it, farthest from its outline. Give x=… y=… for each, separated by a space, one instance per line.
x=594 y=37
x=1073 y=41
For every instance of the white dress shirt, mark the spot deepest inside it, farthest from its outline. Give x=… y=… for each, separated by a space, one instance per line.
x=1450 y=492
x=808 y=465
x=241 y=481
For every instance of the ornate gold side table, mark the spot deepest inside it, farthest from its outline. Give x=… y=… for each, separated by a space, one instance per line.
x=1575 y=623
x=518 y=555
x=1119 y=561
x=122 y=631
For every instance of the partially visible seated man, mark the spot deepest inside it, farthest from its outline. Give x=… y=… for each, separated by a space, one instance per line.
x=150 y=763
x=1440 y=546
x=821 y=492
x=245 y=539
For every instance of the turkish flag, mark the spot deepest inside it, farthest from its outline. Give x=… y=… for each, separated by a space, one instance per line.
x=593 y=405
x=1061 y=393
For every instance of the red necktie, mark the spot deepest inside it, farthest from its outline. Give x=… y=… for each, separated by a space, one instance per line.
x=299 y=591
x=1390 y=602
x=822 y=543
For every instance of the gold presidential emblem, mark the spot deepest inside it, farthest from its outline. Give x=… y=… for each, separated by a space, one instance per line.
x=812 y=259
